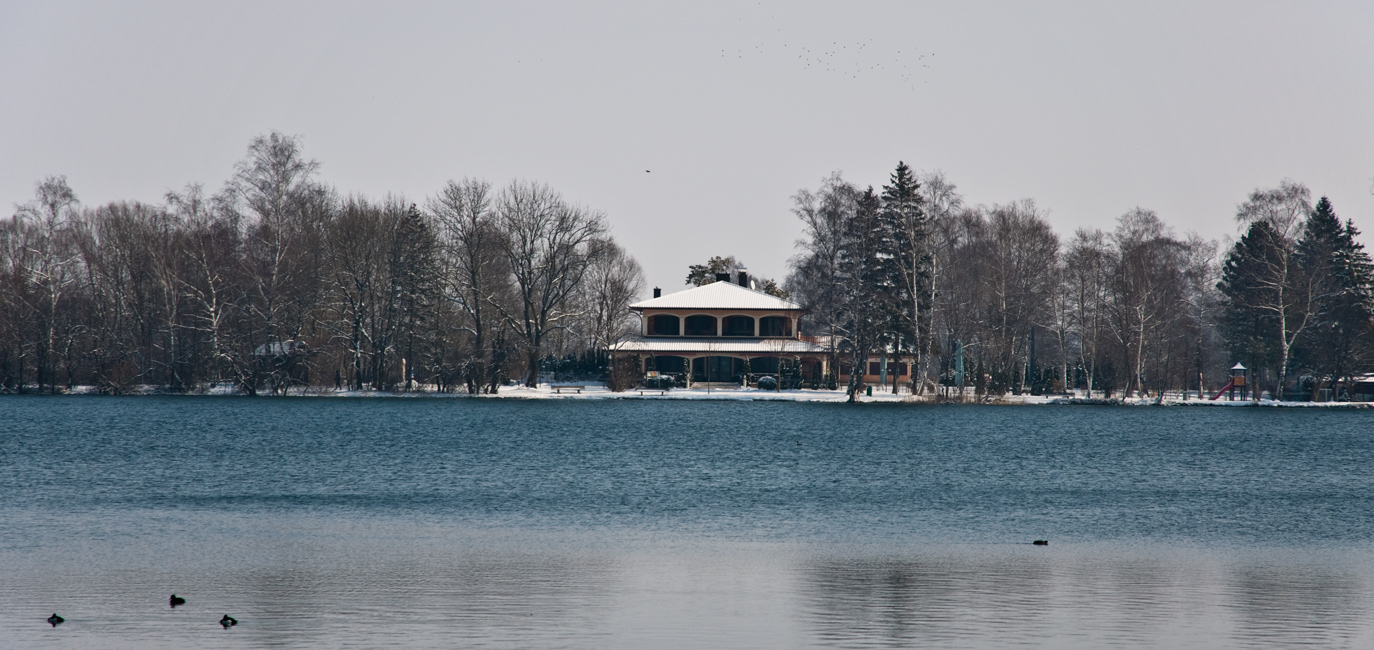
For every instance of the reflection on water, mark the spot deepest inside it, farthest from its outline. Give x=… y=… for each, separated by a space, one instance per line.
x=903 y=602
x=1299 y=605
x=1076 y=599
x=518 y=600
x=453 y=586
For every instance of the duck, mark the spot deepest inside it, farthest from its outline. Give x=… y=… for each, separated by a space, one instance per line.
x=228 y=621
x=176 y=600
x=55 y=619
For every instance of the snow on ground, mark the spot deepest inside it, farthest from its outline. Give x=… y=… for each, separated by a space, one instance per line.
x=739 y=394
x=596 y=391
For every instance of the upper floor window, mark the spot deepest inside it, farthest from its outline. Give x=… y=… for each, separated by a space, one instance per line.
x=701 y=325
x=738 y=326
x=775 y=326
x=664 y=325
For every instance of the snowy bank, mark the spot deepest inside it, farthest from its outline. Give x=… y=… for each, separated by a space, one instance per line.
x=596 y=391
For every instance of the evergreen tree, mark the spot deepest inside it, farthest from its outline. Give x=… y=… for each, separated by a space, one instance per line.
x=1286 y=291
x=907 y=237
x=867 y=294
x=702 y=274
x=1247 y=322
x=1337 y=345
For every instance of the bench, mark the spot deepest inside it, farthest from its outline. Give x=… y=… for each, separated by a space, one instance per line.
x=560 y=388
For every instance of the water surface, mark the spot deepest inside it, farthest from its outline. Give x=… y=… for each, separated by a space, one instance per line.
x=628 y=524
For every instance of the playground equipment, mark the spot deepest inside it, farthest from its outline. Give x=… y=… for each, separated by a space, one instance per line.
x=1237 y=381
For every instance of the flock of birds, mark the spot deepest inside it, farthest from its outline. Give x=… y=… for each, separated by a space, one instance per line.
x=226 y=621
x=848 y=59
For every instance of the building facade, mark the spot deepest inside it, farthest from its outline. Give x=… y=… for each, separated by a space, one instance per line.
x=721 y=333
x=726 y=332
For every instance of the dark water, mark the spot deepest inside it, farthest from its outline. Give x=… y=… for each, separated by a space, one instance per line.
x=509 y=524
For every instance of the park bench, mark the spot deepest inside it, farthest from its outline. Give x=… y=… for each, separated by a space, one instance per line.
x=560 y=388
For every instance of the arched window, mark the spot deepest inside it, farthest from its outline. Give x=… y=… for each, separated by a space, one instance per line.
x=701 y=325
x=775 y=326
x=670 y=364
x=664 y=325
x=738 y=326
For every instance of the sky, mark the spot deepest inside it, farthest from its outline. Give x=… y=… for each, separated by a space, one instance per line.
x=692 y=124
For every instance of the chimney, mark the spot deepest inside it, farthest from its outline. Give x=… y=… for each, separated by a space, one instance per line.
x=744 y=278
x=722 y=277
x=658 y=293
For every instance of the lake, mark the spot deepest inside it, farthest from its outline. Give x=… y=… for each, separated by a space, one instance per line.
x=322 y=522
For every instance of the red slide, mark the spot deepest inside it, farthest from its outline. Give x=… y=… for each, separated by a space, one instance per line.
x=1228 y=387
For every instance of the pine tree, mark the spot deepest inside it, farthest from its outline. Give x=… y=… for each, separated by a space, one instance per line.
x=1248 y=325
x=1338 y=344
x=907 y=238
x=867 y=290
x=703 y=274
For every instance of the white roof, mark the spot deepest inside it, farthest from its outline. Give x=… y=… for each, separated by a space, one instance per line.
x=717 y=295
x=669 y=345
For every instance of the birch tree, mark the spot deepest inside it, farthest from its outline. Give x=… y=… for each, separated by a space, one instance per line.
x=51 y=266
x=1261 y=281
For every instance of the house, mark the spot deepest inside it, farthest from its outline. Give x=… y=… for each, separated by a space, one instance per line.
x=1362 y=388
x=709 y=333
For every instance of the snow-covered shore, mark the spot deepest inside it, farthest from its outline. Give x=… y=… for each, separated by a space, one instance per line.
x=594 y=391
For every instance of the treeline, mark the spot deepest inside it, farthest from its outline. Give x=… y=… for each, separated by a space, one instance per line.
x=913 y=272
x=278 y=281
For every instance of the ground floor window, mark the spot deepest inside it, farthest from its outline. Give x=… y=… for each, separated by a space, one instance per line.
x=764 y=365
x=717 y=369
x=670 y=364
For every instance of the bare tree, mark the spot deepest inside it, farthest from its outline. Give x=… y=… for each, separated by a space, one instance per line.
x=52 y=261
x=477 y=273
x=1019 y=253
x=942 y=203
x=1147 y=288
x=1203 y=303
x=16 y=314
x=817 y=279
x=274 y=183
x=1088 y=266
x=549 y=244
x=358 y=245
x=614 y=280
x=208 y=281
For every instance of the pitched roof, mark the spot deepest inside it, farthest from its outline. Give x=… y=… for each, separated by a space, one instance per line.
x=717 y=295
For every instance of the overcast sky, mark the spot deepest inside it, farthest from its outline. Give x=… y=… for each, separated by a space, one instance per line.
x=1089 y=108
